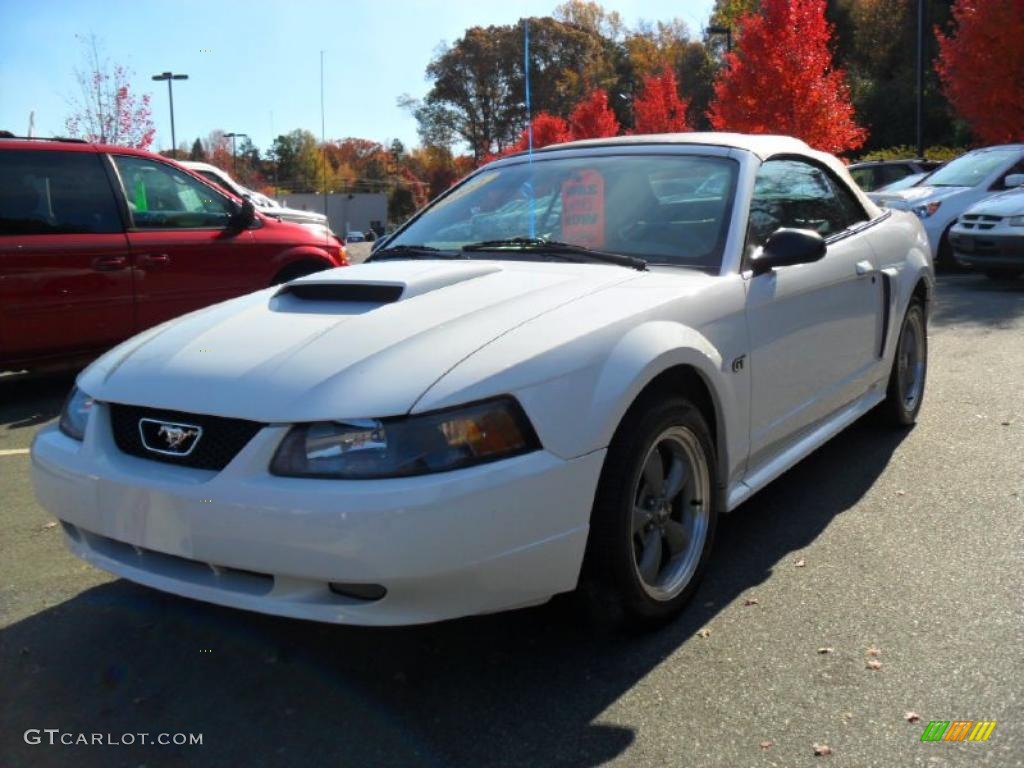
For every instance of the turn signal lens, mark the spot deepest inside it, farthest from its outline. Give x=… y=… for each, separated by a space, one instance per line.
x=75 y=415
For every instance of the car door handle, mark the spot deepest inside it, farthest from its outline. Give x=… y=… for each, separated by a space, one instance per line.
x=865 y=268
x=109 y=263
x=154 y=260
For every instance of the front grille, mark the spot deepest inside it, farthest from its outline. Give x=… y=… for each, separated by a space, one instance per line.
x=979 y=221
x=220 y=442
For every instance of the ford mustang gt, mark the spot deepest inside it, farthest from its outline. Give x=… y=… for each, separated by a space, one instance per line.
x=558 y=375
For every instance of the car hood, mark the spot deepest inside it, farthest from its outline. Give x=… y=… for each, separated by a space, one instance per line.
x=358 y=342
x=294 y=214
x=1009 y=203
x=905 y=199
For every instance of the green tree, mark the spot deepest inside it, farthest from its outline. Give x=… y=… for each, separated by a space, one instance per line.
x=297 y=159
x=197 y=152
x=478 y=93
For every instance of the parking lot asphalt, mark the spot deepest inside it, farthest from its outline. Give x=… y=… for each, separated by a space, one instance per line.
x=903 y=549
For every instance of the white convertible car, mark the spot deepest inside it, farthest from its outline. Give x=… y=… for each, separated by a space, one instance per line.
x=559 y=374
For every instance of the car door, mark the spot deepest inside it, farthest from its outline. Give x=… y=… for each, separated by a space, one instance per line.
x=65 y=281
x=815 y=329
x=185 y=252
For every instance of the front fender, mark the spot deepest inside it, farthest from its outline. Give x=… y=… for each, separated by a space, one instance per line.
x=579 y=412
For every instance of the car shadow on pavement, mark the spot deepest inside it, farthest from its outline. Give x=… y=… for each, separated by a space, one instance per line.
x=975 y=300
x=27 y=399
x=525 y=688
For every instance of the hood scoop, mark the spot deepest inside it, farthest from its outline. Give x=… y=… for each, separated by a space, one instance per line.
x=379 y=293
x=376 y=283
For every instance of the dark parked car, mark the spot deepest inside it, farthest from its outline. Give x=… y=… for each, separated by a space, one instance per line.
x=98 y=243
x=874 y=174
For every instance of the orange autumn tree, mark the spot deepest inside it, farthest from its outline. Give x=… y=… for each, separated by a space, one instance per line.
x=592 y=118
x=658 y=108
x=781 y=79
x=547 y=129
x=981 y=66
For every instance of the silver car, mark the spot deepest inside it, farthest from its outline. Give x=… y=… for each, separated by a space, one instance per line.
x=989 y=237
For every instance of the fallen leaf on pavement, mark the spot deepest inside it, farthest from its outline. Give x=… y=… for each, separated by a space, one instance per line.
x=873 y=651
x=874 y=664
x=822 y=749
x=901 y=493
x=751 y=601
x=767 y=744
x=49 y=525
x=800 y=563
x=705 y=633
x=911 y=717
x=826 y=649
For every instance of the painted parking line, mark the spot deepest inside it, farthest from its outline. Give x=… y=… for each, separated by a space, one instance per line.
x=14 y=452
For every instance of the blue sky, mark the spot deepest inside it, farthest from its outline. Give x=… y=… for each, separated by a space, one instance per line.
x=262 y=76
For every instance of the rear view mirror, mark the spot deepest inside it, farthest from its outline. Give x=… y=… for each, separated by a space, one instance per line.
x=787 y=247
x=1014 y=180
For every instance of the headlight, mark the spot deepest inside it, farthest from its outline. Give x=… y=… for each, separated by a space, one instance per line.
x=1017 y=221
x=402 y=447
x=926 y=210
x=75 y=414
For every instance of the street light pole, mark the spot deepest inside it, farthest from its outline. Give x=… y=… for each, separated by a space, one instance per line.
x=727 y=31
x=234 y=157
x=920 y=78
x=170 y=76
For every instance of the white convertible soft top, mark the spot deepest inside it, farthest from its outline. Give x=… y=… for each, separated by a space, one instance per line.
x=763 y=146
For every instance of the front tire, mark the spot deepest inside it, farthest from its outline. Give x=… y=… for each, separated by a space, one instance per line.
x=909 y=369
x=654 y=516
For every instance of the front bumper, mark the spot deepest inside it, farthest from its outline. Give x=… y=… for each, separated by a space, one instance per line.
x=488 y=538
x=986 y=250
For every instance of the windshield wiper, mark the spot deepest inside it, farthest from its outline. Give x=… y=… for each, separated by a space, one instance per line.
x=413 y=252
x=556 y=248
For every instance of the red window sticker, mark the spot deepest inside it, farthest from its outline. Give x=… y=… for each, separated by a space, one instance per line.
x=583 y=209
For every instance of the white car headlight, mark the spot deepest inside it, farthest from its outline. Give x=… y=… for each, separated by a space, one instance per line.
x=926 y=210
x=402 y=447
x=75 y=415
x=1016 y=221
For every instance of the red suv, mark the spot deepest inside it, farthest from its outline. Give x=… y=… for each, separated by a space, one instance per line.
x=98 y=243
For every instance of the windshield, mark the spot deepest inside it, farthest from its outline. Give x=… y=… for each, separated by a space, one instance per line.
x=971 y=169
x=666 y=209
x=905 y=183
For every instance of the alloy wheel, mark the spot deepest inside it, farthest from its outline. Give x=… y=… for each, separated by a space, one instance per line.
x=671 y=512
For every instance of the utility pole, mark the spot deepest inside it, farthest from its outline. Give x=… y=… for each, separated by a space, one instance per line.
x=170 y=76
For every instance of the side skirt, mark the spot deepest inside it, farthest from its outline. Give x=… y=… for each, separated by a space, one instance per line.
x=803 y=447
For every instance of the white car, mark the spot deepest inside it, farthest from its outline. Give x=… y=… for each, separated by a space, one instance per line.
x=263 y=204
x=990 y=236
x=473 y=421
x=941 y=196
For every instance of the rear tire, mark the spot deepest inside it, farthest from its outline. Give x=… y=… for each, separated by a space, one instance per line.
x=909 y=369
x=654 y=517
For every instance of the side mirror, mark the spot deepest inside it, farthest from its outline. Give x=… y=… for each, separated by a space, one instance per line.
x=1014 y=180
x=787 y=247
x=244 y=215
